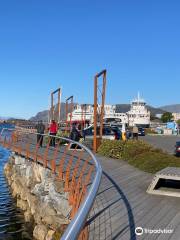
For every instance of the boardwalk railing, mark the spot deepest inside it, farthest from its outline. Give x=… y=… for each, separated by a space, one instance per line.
x=71 y=162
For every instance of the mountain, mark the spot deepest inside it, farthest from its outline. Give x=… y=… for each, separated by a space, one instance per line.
x=171 y=108
x=126 y=107
x=122 y=108
x=43 y=115
x=4 y=118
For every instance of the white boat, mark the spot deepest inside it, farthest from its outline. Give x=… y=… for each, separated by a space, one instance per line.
x=138 y=114
x=86 y=113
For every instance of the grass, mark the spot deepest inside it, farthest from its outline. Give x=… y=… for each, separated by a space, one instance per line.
x=139 y=154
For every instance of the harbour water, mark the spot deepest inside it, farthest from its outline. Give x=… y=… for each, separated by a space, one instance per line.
x=12 y=225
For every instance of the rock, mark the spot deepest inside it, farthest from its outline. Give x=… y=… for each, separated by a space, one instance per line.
x=38 y=189
x=28 y=216
x=59 y=201
x=59 y=186
x=22 y=170
x=50 y=234
x=55 y=221
x=29 y=171
x=22 y=204
x=44 y=210
x=26 y=236
x=12 y=159
x=19 y=160
x=47 y=209
x=45 y=173
x=40 y=232
x=40 y=196
x=42 y=189
x=37 y=218
x=37 y=176
x=14 y=195
x=30 y=183
x=32 y=202
x=9 y=181
x=59 y=232
x=23 y=194
x=8 y=168
x=16 y=187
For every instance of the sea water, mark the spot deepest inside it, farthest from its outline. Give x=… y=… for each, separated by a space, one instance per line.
x=12 y=225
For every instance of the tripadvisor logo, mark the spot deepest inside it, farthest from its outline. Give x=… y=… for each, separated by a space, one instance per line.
x=139 y=231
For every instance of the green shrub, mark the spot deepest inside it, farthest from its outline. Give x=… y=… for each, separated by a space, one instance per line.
x=154 y=161
x=139 y=154
x=111 y=148
x=123 y=149
x=134 y=148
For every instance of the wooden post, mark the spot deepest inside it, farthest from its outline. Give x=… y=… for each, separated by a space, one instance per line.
x=52 y=107
x=103 y=73
x=71 y=110
x=102 y=105
x=95 y=115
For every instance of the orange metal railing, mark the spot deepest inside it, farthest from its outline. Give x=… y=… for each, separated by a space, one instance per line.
x=71 y=162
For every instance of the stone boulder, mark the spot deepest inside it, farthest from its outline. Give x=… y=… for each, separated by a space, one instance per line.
x=32 y=202
x=50 y=234
x=40 y=232
x=28 y=216
x=22 y=204
x=59 y=201
x=19 y=160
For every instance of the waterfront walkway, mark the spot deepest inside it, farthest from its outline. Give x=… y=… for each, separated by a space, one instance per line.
x=122 y=204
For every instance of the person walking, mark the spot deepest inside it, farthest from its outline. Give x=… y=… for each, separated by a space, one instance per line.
x=135 y=132
x=74 y=135
x=53 y=131
x=40 y=127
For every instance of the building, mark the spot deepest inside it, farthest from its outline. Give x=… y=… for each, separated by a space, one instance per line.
x=138 y=114
x=176 y=116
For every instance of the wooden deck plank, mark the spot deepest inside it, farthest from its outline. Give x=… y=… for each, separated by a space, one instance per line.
x=149 y=211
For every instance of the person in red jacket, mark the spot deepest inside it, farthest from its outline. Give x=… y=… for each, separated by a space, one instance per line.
x=53 y=128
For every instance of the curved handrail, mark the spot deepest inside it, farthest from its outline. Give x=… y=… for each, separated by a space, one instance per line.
x=77 y=223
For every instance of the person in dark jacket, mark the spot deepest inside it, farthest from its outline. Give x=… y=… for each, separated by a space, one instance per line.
x=74 y=135
x=40 y=130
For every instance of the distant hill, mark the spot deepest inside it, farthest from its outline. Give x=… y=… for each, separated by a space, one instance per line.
x=4 y=118
x=43 y=115
x=122 y=108
x=126 y=107
x=171 y=108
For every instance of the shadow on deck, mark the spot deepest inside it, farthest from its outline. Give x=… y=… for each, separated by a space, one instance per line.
x=111 y=216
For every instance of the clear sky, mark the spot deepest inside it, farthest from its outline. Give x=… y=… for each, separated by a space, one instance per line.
x=47 y=44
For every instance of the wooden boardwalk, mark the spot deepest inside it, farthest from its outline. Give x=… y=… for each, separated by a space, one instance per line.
x=122 y=204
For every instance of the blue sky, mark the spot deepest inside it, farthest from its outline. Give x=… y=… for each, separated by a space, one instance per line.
x=47 y=44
